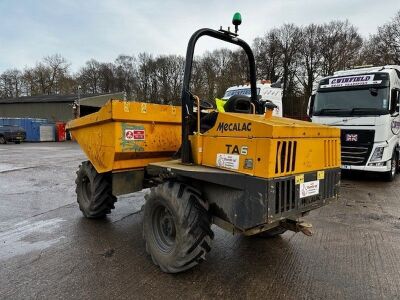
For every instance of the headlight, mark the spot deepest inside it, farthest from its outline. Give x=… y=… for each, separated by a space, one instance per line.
x=378 y=154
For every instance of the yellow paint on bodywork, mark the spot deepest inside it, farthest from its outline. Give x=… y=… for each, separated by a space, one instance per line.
x=276 y=146
x=102 y=135
x=267 y=147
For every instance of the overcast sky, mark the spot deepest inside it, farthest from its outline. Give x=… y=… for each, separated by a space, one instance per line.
x=103 y=29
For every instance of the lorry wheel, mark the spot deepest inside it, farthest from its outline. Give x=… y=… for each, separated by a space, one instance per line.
x=94 y=192
x=3 y=140
x=389 y=176
x=176 y=227
x=272 y=232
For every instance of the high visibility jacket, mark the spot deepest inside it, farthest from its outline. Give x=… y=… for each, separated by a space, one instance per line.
x=220 y=104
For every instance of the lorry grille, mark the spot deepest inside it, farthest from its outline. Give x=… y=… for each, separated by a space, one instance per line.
x=331 y=153
x=356 y=146
x=285 y=160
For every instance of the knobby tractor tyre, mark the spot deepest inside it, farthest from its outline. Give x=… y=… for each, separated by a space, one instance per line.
x=176 y=227
x=272 y=232
x=94 y=192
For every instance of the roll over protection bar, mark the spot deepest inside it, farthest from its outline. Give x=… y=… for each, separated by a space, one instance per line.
x=187 y=98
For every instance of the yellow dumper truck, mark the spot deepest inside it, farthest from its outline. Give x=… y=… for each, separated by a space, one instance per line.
x=243 y=169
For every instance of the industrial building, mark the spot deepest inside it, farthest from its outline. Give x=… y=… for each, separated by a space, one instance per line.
x=53 y=107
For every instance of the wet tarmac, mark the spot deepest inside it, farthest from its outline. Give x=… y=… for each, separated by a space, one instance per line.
x=49 y=251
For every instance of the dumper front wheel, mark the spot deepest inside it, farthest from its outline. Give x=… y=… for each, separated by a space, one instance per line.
x=94 y=192
x=176 y=227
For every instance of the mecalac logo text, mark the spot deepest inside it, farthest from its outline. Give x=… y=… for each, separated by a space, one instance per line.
x=222 y=126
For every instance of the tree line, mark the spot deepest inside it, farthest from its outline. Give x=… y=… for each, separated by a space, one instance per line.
x=295 y=55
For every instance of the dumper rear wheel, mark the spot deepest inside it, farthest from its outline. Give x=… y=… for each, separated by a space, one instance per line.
x=94 y=191
x=176 y=227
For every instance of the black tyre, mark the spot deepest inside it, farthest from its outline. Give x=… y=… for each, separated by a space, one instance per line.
x=18 y=142
x=3 y=140
x=272 y=232
x=176 y=227
x=94 y=191
x=390 y=175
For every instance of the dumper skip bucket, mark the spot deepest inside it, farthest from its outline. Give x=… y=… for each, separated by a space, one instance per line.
x=125 y=135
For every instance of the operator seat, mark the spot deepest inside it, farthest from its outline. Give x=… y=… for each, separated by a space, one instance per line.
x=235 y=104
x=238 y=104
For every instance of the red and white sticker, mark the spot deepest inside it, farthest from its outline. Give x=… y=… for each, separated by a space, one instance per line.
x=135 y=134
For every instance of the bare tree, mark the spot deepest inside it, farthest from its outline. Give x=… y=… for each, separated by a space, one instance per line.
x=384 y=46
x=10 y=84
x=340 y=46
x=89 y=77
x=57 y=67
x=144 y=69
x=267 y=55
x=310 y=57
x=288 y=41
x=125 y=74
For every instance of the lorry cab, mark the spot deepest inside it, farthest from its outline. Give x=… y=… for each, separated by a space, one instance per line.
x=364 y=103
x=266 y=91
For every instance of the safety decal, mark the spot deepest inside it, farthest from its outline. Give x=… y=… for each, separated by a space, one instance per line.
x=135 y=134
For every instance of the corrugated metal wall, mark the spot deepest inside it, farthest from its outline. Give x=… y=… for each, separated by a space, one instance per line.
x=51 y=111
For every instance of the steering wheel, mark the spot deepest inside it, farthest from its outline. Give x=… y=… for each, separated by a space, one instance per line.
x=205 y=104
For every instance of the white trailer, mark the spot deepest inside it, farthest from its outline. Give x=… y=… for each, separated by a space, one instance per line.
x=364 y=103
x=265 y=90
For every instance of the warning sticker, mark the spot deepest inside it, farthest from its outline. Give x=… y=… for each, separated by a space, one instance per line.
x=228 y=161
x=310 y=188
x=134 y=134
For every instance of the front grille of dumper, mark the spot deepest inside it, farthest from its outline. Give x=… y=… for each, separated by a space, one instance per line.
x=331 y=155
x=285 y=160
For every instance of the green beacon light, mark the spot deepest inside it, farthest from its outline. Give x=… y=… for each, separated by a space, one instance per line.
x=237 y=20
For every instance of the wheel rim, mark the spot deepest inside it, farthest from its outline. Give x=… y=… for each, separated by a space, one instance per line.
x=2 y=140
x=164 y=228
x=86 y=189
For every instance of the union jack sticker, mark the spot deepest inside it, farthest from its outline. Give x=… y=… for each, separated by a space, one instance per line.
x=351 y=137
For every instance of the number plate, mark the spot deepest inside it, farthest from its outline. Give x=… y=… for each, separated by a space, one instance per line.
x=347 y=167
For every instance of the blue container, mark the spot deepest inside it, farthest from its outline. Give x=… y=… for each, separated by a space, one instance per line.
x=30 y=125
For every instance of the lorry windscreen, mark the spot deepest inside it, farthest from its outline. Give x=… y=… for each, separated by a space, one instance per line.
x=345 y=102
x=246 y=92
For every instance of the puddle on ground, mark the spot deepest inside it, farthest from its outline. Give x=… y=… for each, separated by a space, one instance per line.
x=17 y=240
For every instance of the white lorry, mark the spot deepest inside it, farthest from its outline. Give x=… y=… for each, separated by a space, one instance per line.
x=364 y=103
x=266 y=91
